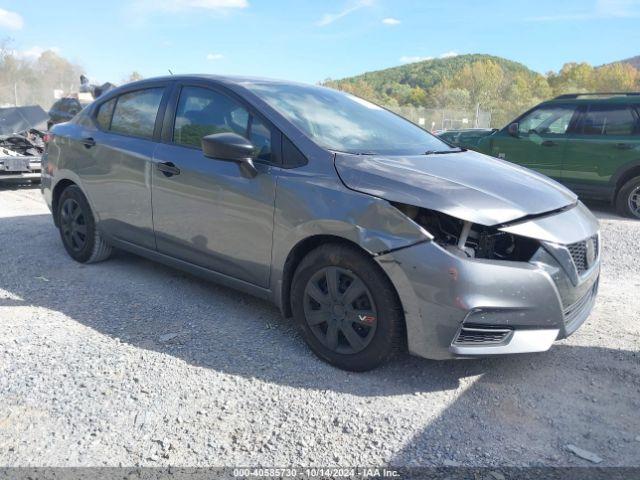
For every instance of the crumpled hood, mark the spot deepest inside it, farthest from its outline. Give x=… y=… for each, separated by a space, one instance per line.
x=465 y=185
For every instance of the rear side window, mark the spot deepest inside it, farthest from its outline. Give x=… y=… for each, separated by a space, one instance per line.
x=135 y=113
x=105 y=111
x=609 y=120
x=203 y=112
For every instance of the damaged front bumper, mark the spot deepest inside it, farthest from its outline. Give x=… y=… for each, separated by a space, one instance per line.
x=466 y=307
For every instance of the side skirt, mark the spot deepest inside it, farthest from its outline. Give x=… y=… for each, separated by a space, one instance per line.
x=193 y=269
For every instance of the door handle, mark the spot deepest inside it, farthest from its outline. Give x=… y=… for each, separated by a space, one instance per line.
x=88 y=142
x=549 y=143
x=168 y=169
x=624 y=146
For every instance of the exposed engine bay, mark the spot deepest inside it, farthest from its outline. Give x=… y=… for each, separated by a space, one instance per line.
x=22 y=141
x=29 y=142
x=468 y=239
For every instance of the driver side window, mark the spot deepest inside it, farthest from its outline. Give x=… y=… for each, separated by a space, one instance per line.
x=550 y=119
x=203 y=112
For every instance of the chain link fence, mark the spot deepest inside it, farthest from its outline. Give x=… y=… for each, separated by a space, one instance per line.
x=445 y=119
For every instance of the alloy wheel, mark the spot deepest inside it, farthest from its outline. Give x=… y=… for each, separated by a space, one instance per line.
x=339 y=309
x=634 y=201
x=73 y=225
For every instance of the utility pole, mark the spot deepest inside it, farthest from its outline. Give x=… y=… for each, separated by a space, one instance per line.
x=15 y=92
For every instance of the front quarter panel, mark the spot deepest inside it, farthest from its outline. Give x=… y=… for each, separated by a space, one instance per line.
x=310 y=204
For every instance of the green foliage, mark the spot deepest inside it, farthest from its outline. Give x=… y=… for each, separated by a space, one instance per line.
x=469 y=82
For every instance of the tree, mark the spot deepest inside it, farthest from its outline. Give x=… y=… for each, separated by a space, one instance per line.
x=417 y=97
x=28 y=81
x=616 y=77
x=572 y=78
x=133 y=77
x=483 y=80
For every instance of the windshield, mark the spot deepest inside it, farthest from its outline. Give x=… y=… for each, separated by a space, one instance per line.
x=342 y=122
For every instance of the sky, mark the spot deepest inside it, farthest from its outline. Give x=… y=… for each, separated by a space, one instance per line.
x=310 y=41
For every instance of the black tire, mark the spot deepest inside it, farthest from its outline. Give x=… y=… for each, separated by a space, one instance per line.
x=349 y=264
x=82 y=242
x=628 y=199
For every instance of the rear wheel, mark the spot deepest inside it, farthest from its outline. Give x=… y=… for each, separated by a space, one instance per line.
x=346 y=308
x=76 y=223
x=628 y=199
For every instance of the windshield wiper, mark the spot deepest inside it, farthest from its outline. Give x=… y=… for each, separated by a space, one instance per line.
x=443 y=152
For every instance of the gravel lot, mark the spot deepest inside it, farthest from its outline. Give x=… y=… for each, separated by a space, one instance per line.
x=128 y=362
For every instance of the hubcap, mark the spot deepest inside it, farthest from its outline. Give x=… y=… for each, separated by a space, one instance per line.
x=340 y=310
x=634 y=201
x=73 y=225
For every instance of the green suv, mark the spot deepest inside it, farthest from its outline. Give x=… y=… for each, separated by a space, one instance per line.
x=588 y=142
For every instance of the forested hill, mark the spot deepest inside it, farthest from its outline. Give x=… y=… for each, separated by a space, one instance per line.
x=633 y=61
x=428 y=73
x=500 y=86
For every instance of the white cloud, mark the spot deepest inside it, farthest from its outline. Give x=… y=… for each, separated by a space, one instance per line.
x=34 y=52
x=603 y=9
x=390 y=21
x=10 y=20
x=413 y=59
x=419 y=58
x=186 y=5
x=329 y=18
x=214 y=56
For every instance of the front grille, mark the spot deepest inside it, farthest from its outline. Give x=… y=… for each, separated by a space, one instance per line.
x=579 y=254
x=481 y=335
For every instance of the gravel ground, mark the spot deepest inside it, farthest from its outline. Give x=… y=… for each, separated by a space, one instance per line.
x=131 y=363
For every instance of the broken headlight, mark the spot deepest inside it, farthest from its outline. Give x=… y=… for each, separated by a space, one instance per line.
x=470 y=239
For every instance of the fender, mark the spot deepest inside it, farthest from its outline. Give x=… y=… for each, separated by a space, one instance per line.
x=331 y=209
x=621 y=171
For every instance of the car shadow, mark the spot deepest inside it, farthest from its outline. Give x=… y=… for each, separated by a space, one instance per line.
x=501 y=404
x=18 y=184
x=157 y=308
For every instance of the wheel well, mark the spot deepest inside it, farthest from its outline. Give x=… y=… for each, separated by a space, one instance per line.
x=298 y=253
x=625 y=177
x=55 y=196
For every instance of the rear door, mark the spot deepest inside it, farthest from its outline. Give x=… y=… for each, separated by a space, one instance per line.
x=205 y=210
x=606 y=138
x=540 y=141
x=115 y=165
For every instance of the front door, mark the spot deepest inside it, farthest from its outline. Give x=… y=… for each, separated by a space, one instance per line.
x=540 y=141
x=205 y=211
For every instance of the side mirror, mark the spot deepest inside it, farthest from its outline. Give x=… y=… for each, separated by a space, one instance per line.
x=513 y=129
x=231 y=147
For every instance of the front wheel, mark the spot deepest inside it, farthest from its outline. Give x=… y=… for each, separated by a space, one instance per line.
x=628 y=199
x=76 y=223
x=346 y=308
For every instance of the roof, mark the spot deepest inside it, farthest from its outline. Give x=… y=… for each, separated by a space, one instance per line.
x=598 y=97
x=227 y=79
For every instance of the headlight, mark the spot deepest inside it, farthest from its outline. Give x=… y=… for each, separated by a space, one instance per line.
x=471 y=239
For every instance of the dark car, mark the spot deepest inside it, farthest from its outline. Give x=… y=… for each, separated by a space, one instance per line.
x=374 y=234
x=64 y=110
x=465 y=137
